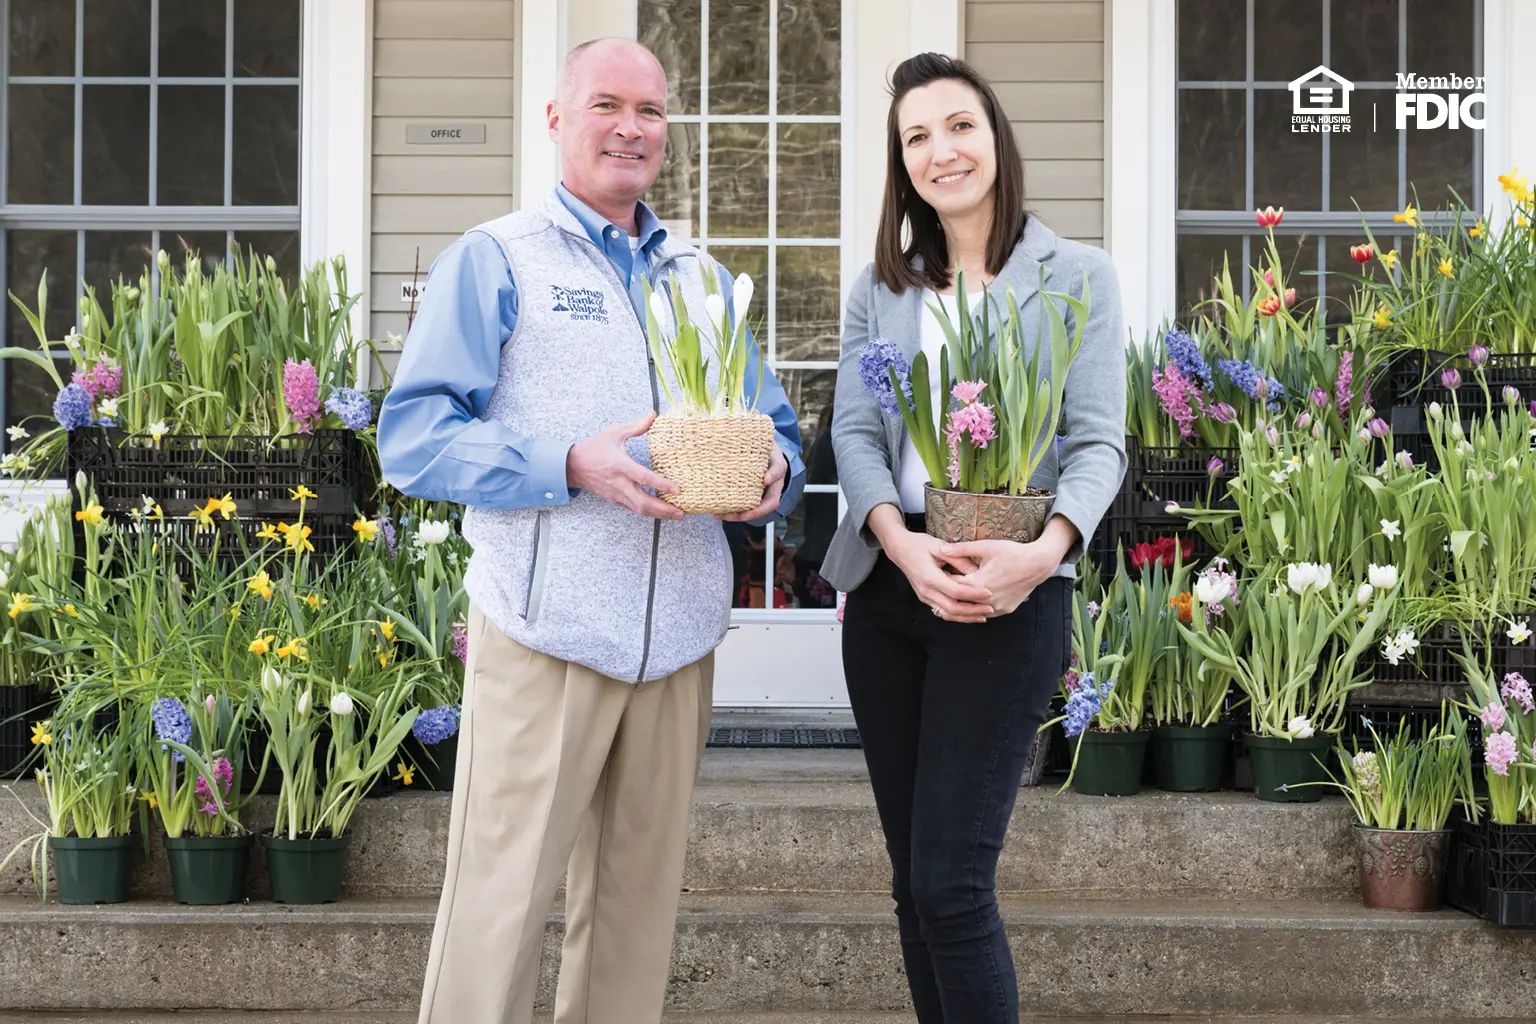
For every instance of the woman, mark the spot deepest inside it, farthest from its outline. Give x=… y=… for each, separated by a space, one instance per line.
x=952 y=652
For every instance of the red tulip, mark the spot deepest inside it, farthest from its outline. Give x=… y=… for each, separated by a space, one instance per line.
x=1361 y=253
x=1270 y=305
x=1269 y=216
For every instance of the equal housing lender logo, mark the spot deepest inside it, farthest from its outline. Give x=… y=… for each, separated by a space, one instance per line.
x=1320 y=101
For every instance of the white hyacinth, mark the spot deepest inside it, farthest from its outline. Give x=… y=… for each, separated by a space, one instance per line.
x=1299 y=728
x=1367 y=775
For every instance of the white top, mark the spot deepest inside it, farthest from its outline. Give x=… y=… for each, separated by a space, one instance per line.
x=913 y=473
x=634 y=245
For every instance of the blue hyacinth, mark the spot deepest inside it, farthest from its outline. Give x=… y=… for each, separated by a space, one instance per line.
x=1085 y=702
x=172 y=722
x=72 y=408
x=436 y=724
x=876 y=359
x=1247 y=376
x=1185 y=353
x=350 y=406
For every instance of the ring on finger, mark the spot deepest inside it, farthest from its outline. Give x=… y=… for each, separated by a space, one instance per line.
x=935 y=610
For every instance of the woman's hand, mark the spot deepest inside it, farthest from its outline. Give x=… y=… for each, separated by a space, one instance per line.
x=923 y=559
x=1011 y=571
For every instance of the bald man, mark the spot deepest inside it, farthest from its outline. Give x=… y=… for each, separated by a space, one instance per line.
x=524 y=392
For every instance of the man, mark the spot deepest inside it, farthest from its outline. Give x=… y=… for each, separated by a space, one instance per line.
x=525 y=392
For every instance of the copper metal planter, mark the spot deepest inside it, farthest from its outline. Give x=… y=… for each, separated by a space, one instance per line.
x=962 y=516
x=1402 y=870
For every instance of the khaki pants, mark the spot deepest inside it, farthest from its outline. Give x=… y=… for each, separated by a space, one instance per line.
x=557 y=763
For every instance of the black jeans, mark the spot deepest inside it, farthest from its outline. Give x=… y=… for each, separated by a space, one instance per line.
x=947 y=713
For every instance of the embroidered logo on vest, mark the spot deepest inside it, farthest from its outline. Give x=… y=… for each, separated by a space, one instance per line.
x=585 y=304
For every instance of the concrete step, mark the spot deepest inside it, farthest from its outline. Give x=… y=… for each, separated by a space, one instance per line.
x=804 y=821
x=795 y=953
x=840 y=1017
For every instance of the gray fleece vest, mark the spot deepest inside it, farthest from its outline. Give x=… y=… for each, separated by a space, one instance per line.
x=591 y=582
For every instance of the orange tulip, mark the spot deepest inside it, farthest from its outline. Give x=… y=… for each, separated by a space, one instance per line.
x=1270 y=306
x=1361 y=253
x=1269 y=216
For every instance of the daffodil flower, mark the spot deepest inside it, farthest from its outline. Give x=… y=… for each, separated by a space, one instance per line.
x=268 y=532
x=260 y=582
x=261 y=645
x=404 y=773
x=387 y=628
x=90 y=514
x=298 y=538
x=158 y=429
x=1391 y=528
x=224 y=505
x=1514 y=183
x=71 y=611
x=1409 y=216
x=40 y=733
x=301 y=493
x=1389 y=259
x=313 y=600
x=22 y=603
x=1446 y=269
x=366 y=530
x=17 y=432
x=1520 y=632
x=1382 y=317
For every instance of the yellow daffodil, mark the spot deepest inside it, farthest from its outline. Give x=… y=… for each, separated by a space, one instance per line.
x=153 y=803
x=90 y=514
x=288 y=650
x=204 y=515
x=298 y=538
x=283 y=528
x=22 y=603
x=1389 y=259
x=261 y=584
x=388 y=629
x=366 y=530
x=301 y=493
x=1523 y=221
x=1409 y=216
x=313 y=600
x=69 y=609
x=1523 y=195
x=159 y=512
x=225 y=505
x=267 y=532
x=384 y=658
x=1383 y=317
x=1446 y=268
x=261 y=645
x=234 y=611
x=404 y=773
x=40 y=733
x=1514 y=182
x=1476 y=230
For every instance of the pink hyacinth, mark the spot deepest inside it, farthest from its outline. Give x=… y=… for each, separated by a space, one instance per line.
x=461 y=641
x=1516 y=688
x=102 y=380
x=967 y=391
x=301 y=393
x=1179 y=398
x=224 y=771
x=1499 y=750
x=1345 y=380
x=1493 y=716
x=975 y=421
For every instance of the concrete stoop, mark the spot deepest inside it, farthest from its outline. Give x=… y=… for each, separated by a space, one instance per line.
x=841 y=1017
x=1160 y=904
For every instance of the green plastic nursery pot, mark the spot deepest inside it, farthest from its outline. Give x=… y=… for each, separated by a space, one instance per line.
x=1280 y=765
x=90 y=870
x=1110 y=763
x=305 y=870
x=437 y=762
x=1189 y=758
x=208 y=870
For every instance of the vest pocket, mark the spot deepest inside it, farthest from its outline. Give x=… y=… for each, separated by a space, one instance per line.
x=538 y=560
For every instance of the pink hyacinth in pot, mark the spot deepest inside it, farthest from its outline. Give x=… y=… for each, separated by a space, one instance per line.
x=301 y=393
x=973 y=420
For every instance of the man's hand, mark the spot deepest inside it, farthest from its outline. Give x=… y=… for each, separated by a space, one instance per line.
x=601 y=465
x=773 y=490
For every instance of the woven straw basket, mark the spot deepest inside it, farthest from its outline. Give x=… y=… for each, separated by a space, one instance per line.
x=718 y=462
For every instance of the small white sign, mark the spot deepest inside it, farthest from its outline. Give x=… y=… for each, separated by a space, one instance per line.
x=410 y=291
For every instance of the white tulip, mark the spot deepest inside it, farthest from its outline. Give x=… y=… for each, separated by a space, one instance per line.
x=1300 y=575
x=435 y=531
x=1299 y=727
x=341 y=703
x=271 y=680
x=714 y=305
x=1363 y=434
x=1383 y=577
x=304 y=703
x=1457 y=433
x=1324 y=575
x=1212 y=591
x=658 y=307
x=1434 y=410
x=5 y=580
x=742 y=294
x=1363 y=595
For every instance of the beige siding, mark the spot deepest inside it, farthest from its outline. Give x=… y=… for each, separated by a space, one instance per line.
x=1047 y=60
x=436 y=61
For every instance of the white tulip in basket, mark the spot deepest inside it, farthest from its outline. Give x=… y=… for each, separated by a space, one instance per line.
x=711 y=441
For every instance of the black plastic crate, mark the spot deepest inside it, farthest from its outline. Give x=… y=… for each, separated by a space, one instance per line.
x=1434 y=661
x=1414 y=379
x=1388 y=718
x=181 y=472
x=1466 y=867
x=1180 y=474
x=1511 y=853
x=20 y=707
x=330 y=535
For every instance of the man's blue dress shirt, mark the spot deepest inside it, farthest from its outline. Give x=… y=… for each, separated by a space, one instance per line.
x=435 y=438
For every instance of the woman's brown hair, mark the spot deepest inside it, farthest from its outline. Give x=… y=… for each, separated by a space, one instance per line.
x=903 y=207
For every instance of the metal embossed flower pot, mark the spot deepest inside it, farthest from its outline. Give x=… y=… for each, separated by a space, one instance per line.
x=1402 y=870
x=963 y=516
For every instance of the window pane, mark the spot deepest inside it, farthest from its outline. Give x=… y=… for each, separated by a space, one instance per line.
x=675 y=195
x=807 y=311
x=1213 y=41
x=808 y=531
x=1341 y=266
x=282 y=246
x=1365 y=162
x=1441 y=159
x=1442 y=37
x=748 y=565
x=267 y=38
x=117 y=37
x=110 y=255
x=1287 y=166
x=751 y=260
x=42 y=35
x=42 y=144
x=190 y=162
x=1364 y=42
x=738 y=56
x=209 y=245
x=810 y=58
x=27 y=255
x=738 y=180
x=810 y=395
x=1298 y=264
x=114 y=167
x=266 y=158
x=809 y=180
x=1212 y=142
x=1199 y=263
x=29 y=395
x=671 y=29
x=1288 y=38
x=191 y=39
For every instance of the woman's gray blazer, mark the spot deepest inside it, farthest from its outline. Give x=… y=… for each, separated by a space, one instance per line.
x=869 y=443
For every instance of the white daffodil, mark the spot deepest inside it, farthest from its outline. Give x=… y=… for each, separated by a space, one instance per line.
x=1407 y=641
x=1299 y=728
x=1383 y=577
x=435 y=531
x=341 y=703
x=1279 y=476
x=107 y=407
x=1391 y=528
x=1212 y=591
x=1363 y=594
x=1520 y=632
x=1293 y=464
x=1392 y=651
x=158 y=429
x=1383 y=469
x=17 y=432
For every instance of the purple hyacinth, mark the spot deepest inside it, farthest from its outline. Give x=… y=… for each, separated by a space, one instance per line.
x=172 y=722
x=301 y=393
x=1516 y=688
x=436 y=724
x=1086 y=700
x=1185 y=353
x=389 y=532
x=350 y=406
x=461 y=641
x=72 y=408
x=1345 y=381
x=876 y=359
